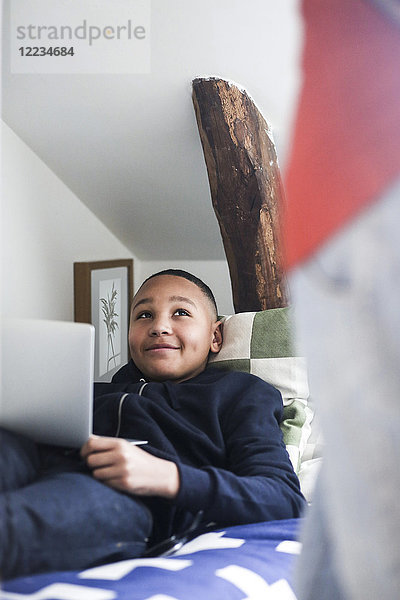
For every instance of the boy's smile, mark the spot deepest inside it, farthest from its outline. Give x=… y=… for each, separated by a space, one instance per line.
x=172 y=329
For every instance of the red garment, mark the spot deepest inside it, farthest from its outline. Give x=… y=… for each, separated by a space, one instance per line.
x=346 y=144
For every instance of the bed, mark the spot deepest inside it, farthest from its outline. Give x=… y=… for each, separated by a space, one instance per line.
x=247 y=561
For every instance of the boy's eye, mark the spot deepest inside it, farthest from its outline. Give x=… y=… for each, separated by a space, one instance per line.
x=144 y=315
x=181 y=312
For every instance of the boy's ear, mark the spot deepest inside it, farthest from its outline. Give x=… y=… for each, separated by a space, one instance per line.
x=216 y=342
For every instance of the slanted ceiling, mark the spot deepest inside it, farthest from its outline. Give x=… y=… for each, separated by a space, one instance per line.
x=127 y=145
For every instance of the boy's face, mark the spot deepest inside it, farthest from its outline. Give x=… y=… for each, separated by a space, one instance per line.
x=172 y=329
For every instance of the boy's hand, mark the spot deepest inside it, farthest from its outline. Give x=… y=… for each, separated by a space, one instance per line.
x=130 y=469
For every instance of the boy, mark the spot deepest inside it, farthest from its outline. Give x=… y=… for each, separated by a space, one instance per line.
x=215 y=449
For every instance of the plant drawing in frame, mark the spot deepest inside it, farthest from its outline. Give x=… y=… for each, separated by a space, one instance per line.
x=103 y=294
x=110 y=319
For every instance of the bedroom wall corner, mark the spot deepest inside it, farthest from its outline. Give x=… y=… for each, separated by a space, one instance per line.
x=45 y=228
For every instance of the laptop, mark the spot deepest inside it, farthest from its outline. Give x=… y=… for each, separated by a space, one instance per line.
x=47 y=380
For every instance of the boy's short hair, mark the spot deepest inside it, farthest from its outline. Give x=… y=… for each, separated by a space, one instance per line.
x=190 y=277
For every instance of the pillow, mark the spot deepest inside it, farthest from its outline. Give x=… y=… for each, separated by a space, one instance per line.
x=311 y=460
x=261 y=343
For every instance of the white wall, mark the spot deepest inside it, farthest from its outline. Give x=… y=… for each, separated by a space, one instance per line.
x=214 y=273
x=45 y=229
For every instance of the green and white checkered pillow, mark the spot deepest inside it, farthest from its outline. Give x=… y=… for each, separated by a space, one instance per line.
x=261 y=343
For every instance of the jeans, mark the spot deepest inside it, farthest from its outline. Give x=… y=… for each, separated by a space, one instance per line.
x=55 y=516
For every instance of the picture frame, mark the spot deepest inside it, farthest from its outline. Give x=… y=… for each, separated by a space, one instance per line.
x=103 y=292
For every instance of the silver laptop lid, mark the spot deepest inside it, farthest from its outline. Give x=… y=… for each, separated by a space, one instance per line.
x=47 y=380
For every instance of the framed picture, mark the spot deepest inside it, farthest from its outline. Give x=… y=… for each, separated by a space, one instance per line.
x=103 y=292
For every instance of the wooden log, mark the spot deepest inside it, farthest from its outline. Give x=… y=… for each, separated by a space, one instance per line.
x=246 y=191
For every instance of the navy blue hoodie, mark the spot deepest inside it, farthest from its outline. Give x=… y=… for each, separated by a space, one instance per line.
x=222 y=430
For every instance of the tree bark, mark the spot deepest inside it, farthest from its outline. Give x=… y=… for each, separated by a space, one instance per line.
x=246 y=191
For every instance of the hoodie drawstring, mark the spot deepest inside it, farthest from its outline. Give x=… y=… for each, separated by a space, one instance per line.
x=122 y=399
